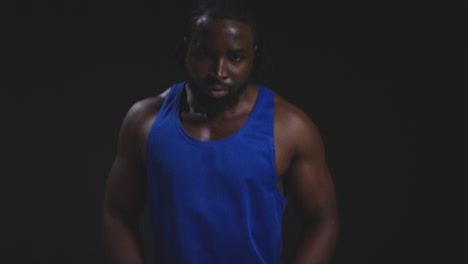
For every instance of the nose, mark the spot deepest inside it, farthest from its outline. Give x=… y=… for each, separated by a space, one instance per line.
x=219 y=69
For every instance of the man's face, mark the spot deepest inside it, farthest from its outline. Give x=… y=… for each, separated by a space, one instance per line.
x=219 y=59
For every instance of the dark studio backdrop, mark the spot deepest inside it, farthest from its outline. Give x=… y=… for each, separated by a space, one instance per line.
x=384 y=81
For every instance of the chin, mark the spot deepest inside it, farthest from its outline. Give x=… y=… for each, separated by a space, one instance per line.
x=217 y=103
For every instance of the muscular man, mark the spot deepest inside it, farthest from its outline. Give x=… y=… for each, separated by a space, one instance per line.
x=212 y=155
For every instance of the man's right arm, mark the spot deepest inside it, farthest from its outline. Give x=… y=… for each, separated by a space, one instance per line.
x=125 y=195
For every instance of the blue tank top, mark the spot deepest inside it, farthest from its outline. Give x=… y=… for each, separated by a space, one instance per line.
x=215 y=201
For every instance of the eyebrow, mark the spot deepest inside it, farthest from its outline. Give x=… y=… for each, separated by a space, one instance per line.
x=238 y=50
x=234 y=50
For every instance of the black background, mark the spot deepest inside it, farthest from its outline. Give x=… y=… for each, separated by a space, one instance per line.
x=385 y=82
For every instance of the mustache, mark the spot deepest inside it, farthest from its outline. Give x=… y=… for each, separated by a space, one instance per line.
x=215 y=81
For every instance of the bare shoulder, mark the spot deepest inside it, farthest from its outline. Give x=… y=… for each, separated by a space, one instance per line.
x=293 y=121
x=137 y=124
x=146 y=108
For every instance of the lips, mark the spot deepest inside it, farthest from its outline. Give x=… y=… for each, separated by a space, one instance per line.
x=217 y=87
x=218 y=92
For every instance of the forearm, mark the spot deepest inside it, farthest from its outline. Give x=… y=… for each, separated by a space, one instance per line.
x=122 y=243
x=318 y=244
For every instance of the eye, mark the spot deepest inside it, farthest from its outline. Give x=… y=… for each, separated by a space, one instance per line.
x=236 y=56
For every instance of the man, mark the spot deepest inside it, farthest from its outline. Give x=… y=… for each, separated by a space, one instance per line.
x=212 y=155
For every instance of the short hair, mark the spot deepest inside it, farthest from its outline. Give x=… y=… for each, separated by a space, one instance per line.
x=224 y=9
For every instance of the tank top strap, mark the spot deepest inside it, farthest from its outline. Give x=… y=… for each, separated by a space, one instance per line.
x=170 y=104
x=262 y=117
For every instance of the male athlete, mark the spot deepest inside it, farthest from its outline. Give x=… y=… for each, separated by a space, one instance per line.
x=216 y=156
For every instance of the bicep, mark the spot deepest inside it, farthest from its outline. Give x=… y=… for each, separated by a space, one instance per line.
x=125 y=193
x=125 y=190
x=314 y=188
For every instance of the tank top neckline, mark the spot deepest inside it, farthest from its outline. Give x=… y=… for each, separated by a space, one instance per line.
x=229 y=138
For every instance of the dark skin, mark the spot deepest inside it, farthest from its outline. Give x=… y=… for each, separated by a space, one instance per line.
x=222 y=52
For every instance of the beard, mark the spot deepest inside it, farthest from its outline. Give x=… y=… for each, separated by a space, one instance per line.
x=216 y=104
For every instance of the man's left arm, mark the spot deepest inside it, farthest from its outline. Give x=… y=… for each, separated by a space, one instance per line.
x=314 y=191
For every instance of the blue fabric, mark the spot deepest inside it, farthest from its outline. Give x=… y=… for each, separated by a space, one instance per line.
x=215 y=201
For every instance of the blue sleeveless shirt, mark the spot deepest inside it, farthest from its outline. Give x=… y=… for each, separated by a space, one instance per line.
x=215 y=201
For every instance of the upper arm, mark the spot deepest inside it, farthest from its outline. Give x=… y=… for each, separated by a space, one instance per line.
x=312 y=182
x=125 y=193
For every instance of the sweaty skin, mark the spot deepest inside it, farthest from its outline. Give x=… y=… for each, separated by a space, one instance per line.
x=222 y=51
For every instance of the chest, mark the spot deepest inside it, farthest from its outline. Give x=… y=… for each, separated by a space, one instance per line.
x=211 y=131
x=282 y=149
x=222 y=130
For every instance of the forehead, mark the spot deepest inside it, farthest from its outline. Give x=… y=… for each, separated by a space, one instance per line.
x=208 y=29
